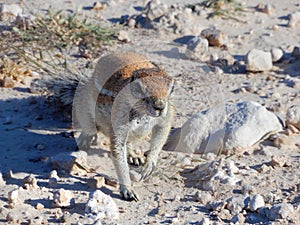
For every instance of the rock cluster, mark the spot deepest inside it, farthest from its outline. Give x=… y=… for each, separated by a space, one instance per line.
x=156 y=15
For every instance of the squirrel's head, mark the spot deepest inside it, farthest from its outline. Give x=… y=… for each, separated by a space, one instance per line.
x=152 y=87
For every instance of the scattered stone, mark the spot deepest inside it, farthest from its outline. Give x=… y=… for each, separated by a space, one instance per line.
x=203 y=197
x=215 y=205
x=277 y=54
x=63 y=198
x=258 y=60
x=99 y=6
x=96 y=182
x=101 y=206
x=215 y=37
x=29 y=182
x=293 y=116
x=256 y=202
x=224 y=128
x=282 y=140
x=237 y=204
x=196 y=48
x=53 y=174
x=7 y=82
x=279 y=161
x=8 y=11
x=294 y=19
x=74 y=163
x=39 y=206
x=13 y=196
x=175 y=220
x=265 y=8
x=281 y=211
x=124 y=36
x=155 y=9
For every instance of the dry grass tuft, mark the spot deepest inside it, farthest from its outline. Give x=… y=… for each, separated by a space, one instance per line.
x=46 y=42
x=226 y=9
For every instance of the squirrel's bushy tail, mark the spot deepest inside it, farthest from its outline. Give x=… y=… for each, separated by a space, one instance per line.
x=61 y=87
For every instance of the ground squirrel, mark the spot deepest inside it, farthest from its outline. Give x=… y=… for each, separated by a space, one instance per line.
x=127 y=98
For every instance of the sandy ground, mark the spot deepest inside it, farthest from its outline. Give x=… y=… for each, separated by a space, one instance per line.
x=36 y=129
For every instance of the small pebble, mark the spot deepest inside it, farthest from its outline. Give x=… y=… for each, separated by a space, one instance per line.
x=53 y=174
x=39 y=206
x=96 y=182
x=63 y=198
x=203 y=197
x=256 y=202
x=29 y=182
x=7 y=82
x=279 y=161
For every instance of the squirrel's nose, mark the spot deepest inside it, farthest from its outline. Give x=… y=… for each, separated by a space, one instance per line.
x=159 y=104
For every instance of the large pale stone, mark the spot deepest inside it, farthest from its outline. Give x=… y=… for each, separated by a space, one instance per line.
x=223 y=128
x=293 y=116
x=258 y=60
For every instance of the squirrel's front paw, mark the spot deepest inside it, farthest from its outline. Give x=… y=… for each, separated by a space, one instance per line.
x=149 y=167
x=128 y=193
x=85 y=141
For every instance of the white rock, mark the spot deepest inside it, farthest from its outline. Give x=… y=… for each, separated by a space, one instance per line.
x=281 y=211
x=13 y=196
x=277 y=54
x=53 y=174
x=2 y=181
x=123 y=36
x=223 y=128
x=101 y=206
x=196 y=47
x=294 y=18
x=215 y=37
x=203 y=197
x=293 y=116
x=237 y=204
x=256 y=202
x=74 y=162
x=258 y=60
x=10 y=10
x=63 y=198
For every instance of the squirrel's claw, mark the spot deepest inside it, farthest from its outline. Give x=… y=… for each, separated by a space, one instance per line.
x=85 y=141
x=148 y=169
x=135 y=158
x=128 y=193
